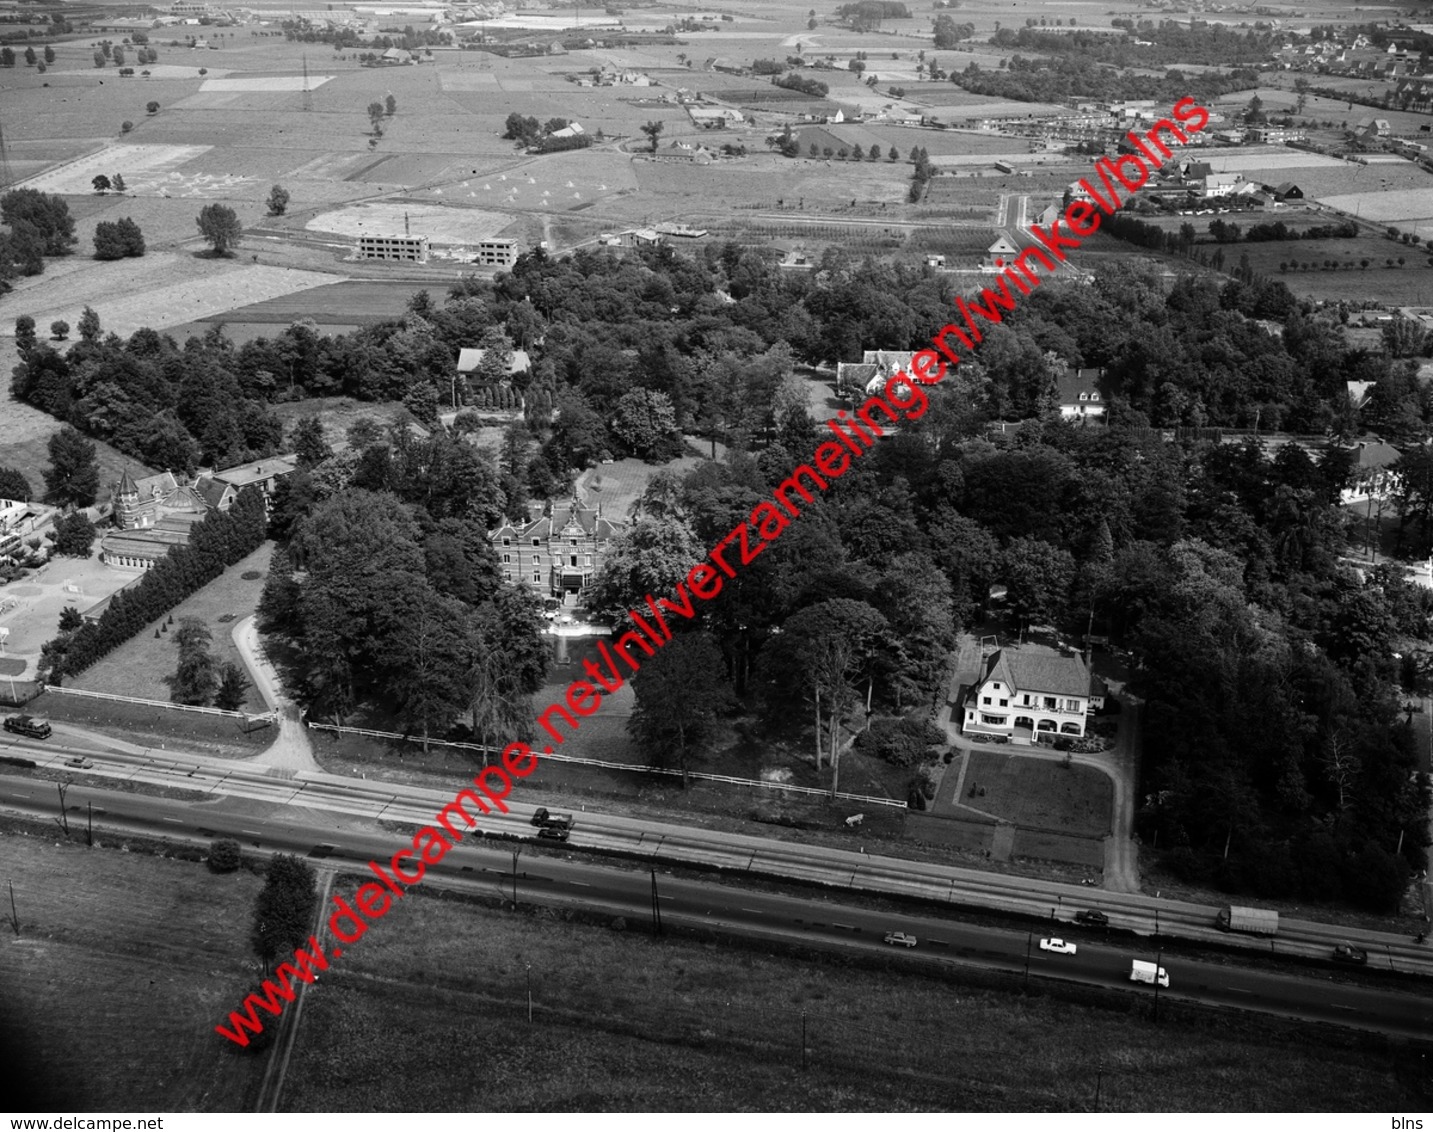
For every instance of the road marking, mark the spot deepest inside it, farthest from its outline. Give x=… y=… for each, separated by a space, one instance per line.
x=580 y=884
x=845 y=927
x=255 y=832
x=754 y=911
x=175 y=821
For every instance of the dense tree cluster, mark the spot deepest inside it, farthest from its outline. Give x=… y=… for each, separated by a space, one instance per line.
x=166 y=406
x=793 y=81
x=400 y=602
x=118 y=239
x=219 y=540
x=1076 y=75
x=1148 y=44
x=284 y=909
x=867 y=15
x=39 y=225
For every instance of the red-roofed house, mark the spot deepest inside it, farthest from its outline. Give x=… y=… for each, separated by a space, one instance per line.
x=1024 y=693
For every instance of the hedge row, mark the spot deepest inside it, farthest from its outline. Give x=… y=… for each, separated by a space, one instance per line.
x=221 y=539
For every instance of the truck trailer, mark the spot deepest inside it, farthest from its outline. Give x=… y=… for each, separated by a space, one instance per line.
x=1254 y=921
x=1142 y=972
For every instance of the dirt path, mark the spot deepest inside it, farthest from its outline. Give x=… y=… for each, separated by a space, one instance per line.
x=291 y=753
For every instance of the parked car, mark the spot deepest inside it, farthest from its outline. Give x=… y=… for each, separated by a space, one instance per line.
x=899 y=939
x=554 y=833
x=1347 y=953
x=1092 y=916
x=1058 y=946
x=28 y=725
x=81 y=764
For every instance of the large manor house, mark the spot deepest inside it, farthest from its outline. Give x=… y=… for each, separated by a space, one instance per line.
x=154 y=514
x=559 y=554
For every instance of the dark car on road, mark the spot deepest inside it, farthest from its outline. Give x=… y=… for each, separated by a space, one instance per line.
x=1092 y=916
x=1347 y=953
x=554 y=833
x=28 y=725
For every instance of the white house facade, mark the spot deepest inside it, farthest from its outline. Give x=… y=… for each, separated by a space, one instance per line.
x=1024 y=694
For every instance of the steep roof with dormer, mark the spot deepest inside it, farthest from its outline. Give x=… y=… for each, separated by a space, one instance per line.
x=1038 y=672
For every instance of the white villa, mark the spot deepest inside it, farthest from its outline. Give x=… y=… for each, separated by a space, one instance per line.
x=1023 y=694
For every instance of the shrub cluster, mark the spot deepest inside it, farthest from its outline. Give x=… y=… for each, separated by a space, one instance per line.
x=901 y=742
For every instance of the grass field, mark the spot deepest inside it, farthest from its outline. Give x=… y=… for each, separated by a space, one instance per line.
x=145 y=726
x=1038 y=791
x=123 y=965
x=138 y=667
x=625 y=1022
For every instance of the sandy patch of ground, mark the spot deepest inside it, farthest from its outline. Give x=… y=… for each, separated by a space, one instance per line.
x=440 y=224
x=1281 y=159
x=267 y=83
x=1407 y=204
x=40 y=597
x=156 y=291
x=140 y=164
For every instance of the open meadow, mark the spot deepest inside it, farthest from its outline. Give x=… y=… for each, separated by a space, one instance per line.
x=122 y=965
x=625 y=1022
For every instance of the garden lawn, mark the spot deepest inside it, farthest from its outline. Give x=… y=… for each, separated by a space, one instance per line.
x=138 y=667
x=1038 y=791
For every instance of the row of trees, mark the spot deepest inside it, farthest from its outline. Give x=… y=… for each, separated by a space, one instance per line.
x=32 y=59
x=219 y=540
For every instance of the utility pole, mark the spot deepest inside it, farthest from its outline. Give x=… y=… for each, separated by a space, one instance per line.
x=1029 y=939
x=14 y=916
x=515 y=854
x=1099 y=1080
x=529 y=994
x=63 y=821
x=90 y=824
x=656 y=907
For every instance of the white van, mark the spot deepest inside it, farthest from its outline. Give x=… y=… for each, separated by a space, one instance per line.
x=1142 y=972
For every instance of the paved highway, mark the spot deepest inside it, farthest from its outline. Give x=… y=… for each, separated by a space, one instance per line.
x=556 y=877
x=300 y=813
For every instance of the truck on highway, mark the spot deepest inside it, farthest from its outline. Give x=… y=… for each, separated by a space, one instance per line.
x=542 y=817
x=1142 y=972
x=1254 y=921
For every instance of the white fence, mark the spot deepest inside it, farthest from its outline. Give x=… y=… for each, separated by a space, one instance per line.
x=760 y=784
x=158 y=703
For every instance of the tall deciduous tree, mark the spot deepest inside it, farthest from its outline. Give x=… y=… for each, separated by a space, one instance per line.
x=220 y=225
x=826 y=647
x=681 y=692
x=74 y=535
x=73 y=477
x=14 y=485
x=278 y=201
x=653 y=130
